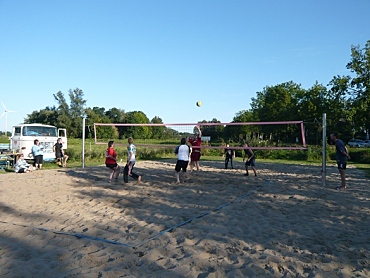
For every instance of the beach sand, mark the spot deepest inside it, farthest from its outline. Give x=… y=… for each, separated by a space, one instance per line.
x=71 y=222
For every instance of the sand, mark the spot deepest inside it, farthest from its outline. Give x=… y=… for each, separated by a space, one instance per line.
x=71 y=222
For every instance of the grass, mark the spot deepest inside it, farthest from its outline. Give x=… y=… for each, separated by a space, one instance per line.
x=94 y=156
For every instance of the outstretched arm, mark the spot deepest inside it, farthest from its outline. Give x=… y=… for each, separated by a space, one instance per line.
x=200 y=132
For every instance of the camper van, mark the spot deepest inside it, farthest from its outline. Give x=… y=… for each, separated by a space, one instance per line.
x=23 y=137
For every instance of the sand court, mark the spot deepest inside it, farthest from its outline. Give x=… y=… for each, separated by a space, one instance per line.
x=220 y=223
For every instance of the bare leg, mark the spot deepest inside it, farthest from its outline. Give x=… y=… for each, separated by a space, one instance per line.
x=254 y=170
x=183 y=176
x=65 y=160
x=177 y=175
x=117 y=171
x=111 y=174
x=342 y=173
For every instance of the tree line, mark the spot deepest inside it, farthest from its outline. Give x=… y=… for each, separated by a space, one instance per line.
x=345 y=100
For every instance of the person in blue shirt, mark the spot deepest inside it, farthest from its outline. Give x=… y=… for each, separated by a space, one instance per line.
x=38 y=154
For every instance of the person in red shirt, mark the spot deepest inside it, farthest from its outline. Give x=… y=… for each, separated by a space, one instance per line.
x=111 y=161
x=195 y=141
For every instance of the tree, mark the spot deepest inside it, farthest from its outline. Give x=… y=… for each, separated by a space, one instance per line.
x=63 y=120
x=97 y=115
x=243 y=132
x=215 y=132
x=47 y=116
x=117 y=116
x=158 y=132
x=311 y=104
x=277 y=103
x=139 y=132
x=70 y=116
x=359 y=85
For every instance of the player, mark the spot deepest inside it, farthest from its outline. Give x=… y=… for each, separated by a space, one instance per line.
x=131 y=160
x=183 y=154
x=195 y=142
x=229 y=156
x=111 y=162
x=341 y=156
x=251 y=160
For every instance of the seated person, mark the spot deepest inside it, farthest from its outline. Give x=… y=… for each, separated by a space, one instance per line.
x=22 y=166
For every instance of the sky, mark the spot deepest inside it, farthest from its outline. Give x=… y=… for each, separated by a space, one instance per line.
x=162 y=56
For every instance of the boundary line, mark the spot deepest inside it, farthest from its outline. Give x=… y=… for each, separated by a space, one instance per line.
x=161 y=233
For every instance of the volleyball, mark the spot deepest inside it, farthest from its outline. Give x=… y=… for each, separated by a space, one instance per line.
x=199 y=103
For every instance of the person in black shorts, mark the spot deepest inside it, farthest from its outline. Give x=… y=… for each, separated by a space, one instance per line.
x=111 y=162
x=38 y=154
x=60 y=154
x=341 y=156
x=229 y=156
x=251 y=160
x=183 y=153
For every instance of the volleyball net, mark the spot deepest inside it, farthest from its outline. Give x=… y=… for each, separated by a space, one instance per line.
x=288 y=135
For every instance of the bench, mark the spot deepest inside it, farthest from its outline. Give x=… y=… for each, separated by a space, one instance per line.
x=4 y=147
x=5 y=161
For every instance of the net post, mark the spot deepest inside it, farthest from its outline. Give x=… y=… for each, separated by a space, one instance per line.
x=303 y=135
x=323 y=167
x=83 y=140
x=95 y=133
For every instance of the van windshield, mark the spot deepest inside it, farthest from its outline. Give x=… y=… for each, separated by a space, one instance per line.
x=39 y=131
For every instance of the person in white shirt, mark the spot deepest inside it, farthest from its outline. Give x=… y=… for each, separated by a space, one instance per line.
x=183 y=154
x=131 y=160
x=22 y=166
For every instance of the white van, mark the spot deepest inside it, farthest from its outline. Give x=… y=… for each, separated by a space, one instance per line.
x=23 y=137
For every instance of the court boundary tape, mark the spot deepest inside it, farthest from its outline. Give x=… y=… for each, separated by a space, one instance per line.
x=161 y=233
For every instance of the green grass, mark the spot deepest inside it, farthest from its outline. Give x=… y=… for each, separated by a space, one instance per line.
x=95 y=155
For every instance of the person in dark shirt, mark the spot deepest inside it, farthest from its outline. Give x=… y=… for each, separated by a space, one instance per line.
x=341 y=156
x=251 y=160
x=229 y=155
x=60 y=154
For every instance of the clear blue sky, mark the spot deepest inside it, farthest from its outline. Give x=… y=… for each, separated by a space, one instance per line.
x=160 y=57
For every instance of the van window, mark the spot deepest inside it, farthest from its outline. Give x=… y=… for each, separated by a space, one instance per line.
x=39 y=131
x=17 y=131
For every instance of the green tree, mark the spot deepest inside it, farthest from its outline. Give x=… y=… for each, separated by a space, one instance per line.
x=70 y=116
x=138 y=132
x=242 y=133
x=63 y=120
x=277 y=103
x=117 y=116
x=47 y=116
x=340 y=109
x=158 y=132
x=311 y=104
x=97 y=115
x=214 y=131
x=359 y=85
